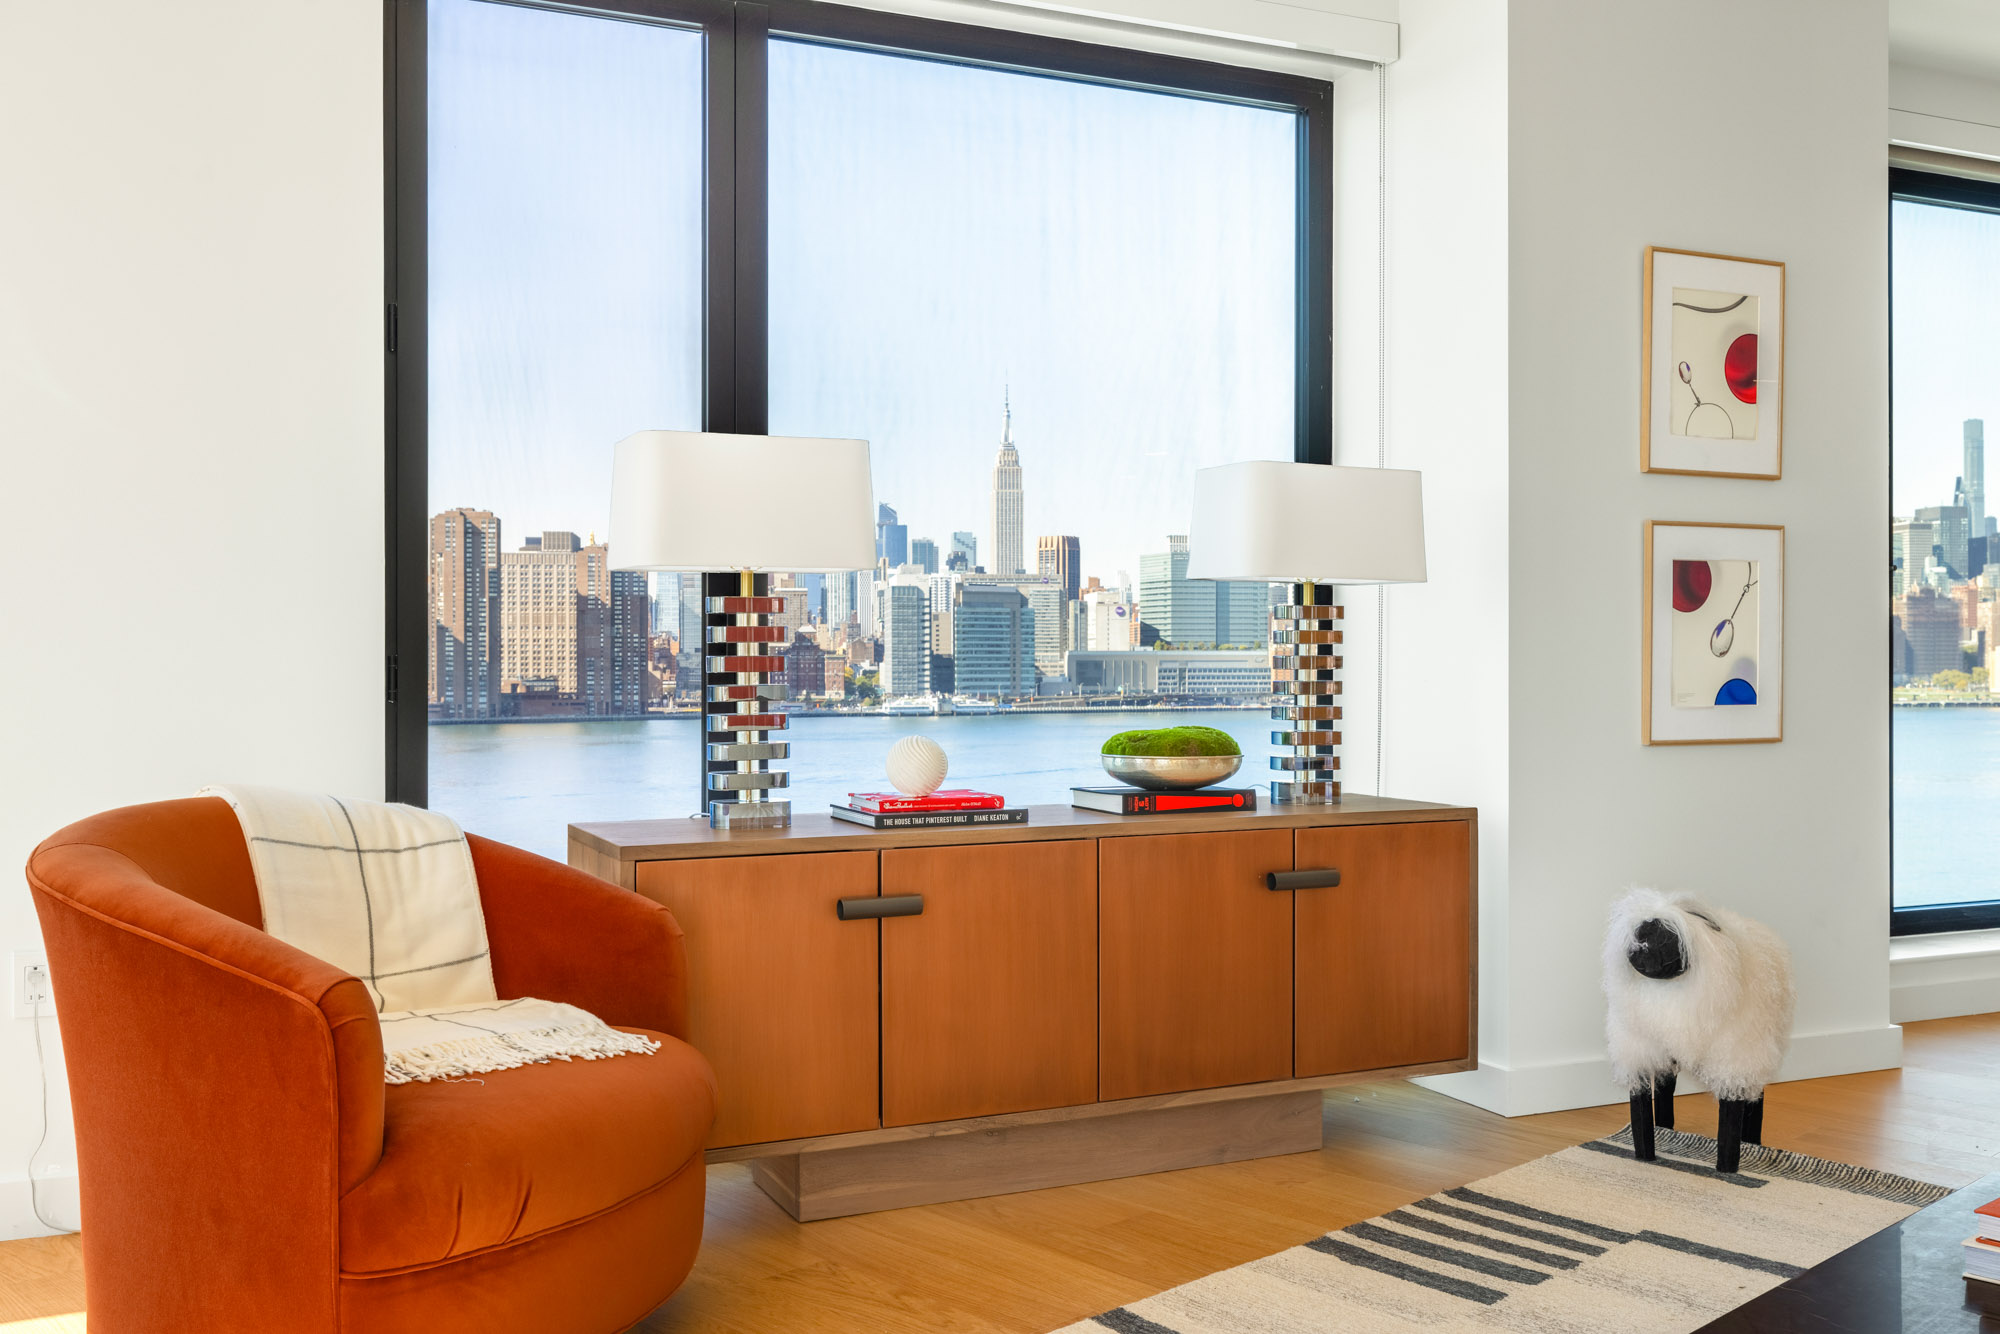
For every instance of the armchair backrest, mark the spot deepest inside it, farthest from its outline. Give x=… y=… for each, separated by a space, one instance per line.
x=193 y=846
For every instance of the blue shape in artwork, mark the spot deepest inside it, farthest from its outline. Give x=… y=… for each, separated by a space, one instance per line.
x=1736 y=691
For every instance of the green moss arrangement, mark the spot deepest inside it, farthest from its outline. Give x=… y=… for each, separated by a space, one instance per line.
x=1173 y=741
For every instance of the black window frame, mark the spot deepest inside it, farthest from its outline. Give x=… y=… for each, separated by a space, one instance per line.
x=1925 y=187
x=736 y=367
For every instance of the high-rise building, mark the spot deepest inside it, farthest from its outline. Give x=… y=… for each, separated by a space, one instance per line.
x=906 y=638
x=1192 y=613
x=1931 y=626
x=465 y=613
x=1975 y=474
x=1951 y=530
x=964 y=552
x=538 y=607
x=993 y=641
x=1057 y=559
x=840 y=604
x=1007 y=501
x=690 y=665
x=1051 y=618
x=892 y=539
x=805 y=667
x=1910 y=541
x=572 y=628
x=1111 y=623
x=924 y=554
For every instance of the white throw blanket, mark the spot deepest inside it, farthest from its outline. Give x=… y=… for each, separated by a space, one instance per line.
x=387 y=892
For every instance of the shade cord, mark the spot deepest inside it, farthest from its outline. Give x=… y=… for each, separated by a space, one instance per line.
x=34 y=1189
x=1381 y=381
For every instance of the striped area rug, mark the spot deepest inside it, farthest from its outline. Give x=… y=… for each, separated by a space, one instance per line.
x=1581 y=1241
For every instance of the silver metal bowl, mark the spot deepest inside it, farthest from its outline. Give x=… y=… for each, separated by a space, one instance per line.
x=1171 y=773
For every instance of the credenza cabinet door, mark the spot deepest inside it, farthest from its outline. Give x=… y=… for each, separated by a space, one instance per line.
x=1195 y=981
x=989 y=996
x=1383 y=964
x=781 y=992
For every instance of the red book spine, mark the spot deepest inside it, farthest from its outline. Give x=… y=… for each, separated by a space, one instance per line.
x=886 y=802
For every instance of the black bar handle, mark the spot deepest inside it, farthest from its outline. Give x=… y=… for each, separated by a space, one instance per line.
x=1326 y=879
x=894 y=905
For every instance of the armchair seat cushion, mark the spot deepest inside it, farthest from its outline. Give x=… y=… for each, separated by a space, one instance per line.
x=481 y=1162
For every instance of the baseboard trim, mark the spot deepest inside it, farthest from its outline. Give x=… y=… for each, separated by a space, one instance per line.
x=1944 y=976
x=1564 y=1085
x=17 y=1210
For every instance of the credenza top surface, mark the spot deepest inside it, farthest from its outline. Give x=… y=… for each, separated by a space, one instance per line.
x=662 y=840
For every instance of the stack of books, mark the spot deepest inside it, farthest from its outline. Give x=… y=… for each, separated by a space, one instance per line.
x=1982 y=1249
x=948 y=806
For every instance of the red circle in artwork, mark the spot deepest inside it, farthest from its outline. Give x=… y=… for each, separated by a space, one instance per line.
x=1739 y=368
x=1692 y=581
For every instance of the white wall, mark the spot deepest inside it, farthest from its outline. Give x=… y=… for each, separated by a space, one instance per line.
x=191 y=417
x=1945 y=111
x=1624 y=129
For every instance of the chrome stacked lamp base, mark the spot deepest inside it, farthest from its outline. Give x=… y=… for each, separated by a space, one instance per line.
x=743 y=676
x=1305 y=674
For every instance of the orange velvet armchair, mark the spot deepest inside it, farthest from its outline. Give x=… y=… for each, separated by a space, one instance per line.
x=245 y=1169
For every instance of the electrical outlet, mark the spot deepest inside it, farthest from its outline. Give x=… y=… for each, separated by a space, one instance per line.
x=30 y=972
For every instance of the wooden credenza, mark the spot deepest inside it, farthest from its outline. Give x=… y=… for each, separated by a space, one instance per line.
x=901 y=1017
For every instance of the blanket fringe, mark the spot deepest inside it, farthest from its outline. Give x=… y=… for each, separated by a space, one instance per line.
x=509 y=1051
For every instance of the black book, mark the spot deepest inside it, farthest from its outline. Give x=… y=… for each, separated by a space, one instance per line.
x=929 y=819
x=1139 y=801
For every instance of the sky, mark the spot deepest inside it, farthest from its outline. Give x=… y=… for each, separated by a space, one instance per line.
x=1117 y=262
x=1945 y=318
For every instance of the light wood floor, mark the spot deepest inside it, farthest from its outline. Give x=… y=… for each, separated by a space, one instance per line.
x=1028 y=1263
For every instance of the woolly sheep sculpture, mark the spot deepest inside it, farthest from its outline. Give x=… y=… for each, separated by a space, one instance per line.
x=1696 y=989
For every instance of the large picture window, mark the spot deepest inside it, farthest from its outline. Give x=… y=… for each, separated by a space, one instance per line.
x=1046 y=281
x=1944 y=552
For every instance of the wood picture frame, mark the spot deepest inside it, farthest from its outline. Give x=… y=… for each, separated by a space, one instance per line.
x=1711 y=365
x=1708 y=675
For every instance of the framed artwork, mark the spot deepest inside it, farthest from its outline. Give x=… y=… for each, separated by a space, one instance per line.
x=1712 y=365
x=1714 y=654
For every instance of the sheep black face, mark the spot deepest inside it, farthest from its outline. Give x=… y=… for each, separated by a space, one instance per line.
x=1656 y=951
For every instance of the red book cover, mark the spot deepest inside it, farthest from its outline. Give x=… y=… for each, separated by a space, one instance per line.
x=945 y=799
x=1991 y=1209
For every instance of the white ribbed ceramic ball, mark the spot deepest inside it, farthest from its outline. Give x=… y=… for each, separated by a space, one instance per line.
x=917 y=766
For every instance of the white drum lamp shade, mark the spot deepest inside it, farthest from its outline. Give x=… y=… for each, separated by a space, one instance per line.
x=1311 y=526
x=1307 y=521
x=700 y=500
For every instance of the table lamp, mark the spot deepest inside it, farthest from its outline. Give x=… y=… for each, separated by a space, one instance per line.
x=699 y=502
x=1309 y=525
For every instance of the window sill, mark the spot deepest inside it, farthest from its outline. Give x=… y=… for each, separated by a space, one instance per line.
x=1944 y=975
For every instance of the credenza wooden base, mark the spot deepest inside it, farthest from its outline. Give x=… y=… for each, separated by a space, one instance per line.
x=832 y=1183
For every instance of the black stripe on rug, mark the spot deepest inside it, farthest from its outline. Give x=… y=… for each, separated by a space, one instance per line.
x=1799 y=1167
x=1706 y=1252
x=1125 y=1322
x=1675 y=1164
x=1382 y=1264
x=1534 y=1215
x=1519 y=1252
x=1511 y=1229
x=1430 y=1250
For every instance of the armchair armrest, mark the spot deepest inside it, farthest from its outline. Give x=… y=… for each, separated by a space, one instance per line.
x=562 y=935
x=227 y=1089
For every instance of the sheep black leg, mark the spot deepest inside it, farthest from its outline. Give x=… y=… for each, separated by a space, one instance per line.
x=1729 y=1133
x=1753 y=1121
x=1642 y=1124
x=1663 y=1100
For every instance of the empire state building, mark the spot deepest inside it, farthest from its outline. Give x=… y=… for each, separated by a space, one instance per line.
x=1007 y=501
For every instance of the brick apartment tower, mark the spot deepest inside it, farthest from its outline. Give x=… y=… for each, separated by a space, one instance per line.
x=1058 y=559
x=465 y=613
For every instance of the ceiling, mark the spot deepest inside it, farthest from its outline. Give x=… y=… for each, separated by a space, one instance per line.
x=1962 y=36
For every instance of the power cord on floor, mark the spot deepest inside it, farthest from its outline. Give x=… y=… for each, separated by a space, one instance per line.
x=34 y=1187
